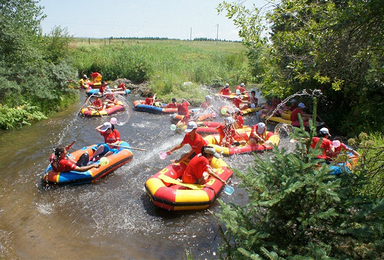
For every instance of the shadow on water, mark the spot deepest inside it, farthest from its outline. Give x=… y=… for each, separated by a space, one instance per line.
x=112 y=218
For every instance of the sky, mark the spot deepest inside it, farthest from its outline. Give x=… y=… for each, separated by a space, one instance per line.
x=174 y=19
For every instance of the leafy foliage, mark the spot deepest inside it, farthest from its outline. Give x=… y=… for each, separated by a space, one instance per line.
x=298 y=210
x=329 y=45
x=17 y=117
x=34 y=70
x=372 y=156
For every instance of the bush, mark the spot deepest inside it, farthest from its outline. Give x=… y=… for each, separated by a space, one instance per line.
x=298 y=210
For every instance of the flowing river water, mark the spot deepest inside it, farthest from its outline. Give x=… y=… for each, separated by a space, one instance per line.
x=110 y=219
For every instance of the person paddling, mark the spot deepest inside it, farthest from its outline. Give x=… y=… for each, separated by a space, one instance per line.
x=60 y=161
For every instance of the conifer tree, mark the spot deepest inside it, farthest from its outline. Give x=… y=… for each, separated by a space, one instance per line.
x=298 y=210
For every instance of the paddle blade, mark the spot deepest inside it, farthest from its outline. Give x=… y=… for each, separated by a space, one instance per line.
x=228 y=190
x=104 y=161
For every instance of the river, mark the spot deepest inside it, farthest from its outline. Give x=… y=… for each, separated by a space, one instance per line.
x=110 y=219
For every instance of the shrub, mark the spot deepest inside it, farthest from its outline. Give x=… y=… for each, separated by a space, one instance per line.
x=298 y=210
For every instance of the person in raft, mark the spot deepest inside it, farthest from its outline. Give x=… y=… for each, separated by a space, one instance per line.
x=340 y=148
x=97 y=104
x=225 y=91
x=239 y=102
x=326 y=145
x=295 y=118
x=206 y=104
x=253 y=100
x=60 y=161
x=150 y=100
x=192 y=138
x=83 y=82
x=241 y=88
x=228 y=134
x=173 y=104
x=199 y=169
x=110 y=99
x=183 y=107
x=103 y=87
x=258 y=134
x=111 y=138
x=239 y=120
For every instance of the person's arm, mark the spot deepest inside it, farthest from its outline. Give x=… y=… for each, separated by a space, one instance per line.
x=87 y=167
x=175 y=148
x=258 y=137
x=213 y=174
x=70 y=145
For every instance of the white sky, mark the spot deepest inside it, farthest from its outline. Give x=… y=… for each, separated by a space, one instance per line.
x=140 y=18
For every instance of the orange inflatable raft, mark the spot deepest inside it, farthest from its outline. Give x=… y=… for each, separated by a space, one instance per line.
x=168 y=193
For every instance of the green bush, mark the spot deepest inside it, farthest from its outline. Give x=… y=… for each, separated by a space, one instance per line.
x=11 y=118
x=297 y=210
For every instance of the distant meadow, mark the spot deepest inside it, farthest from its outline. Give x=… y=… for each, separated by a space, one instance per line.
x=165 y=64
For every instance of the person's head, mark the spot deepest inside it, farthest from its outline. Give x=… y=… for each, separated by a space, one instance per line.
x=293 y=101
x=104 y=83
x=209 y=152
x=229 y=121
x=226 y=85
x=191 y=126
x=59 y=150
x=106 y=127
x=85 y=76
x=242 y=84
x=150 y=94
x=261 y=128
x=253 y=93
x=324 y=132
x=173 y=100
x=208 y=98
x=301 y=105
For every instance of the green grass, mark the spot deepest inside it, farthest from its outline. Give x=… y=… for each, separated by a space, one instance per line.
x=165 y=64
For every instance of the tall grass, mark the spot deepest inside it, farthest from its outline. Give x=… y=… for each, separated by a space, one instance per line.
x=165 y=64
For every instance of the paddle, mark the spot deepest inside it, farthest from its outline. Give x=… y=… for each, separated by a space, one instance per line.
x=129 y=147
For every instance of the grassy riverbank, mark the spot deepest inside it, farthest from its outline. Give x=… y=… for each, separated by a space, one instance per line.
x=165 y=64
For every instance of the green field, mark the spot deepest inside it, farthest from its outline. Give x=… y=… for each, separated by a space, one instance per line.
x=165 y=64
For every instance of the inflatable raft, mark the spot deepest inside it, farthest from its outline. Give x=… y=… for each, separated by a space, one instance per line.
x=166 y=192
x=195 y=115
x=116 y=160
x=209 y=127
x=231 y=96
x=92 y=91
x=226 y=109
x=105 y=112
x=140 y=106
x=345 y=162
x=272 y=140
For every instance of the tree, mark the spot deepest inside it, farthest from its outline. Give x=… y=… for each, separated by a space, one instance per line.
x=19 y=30
x=329 y=45
x=33 y=69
